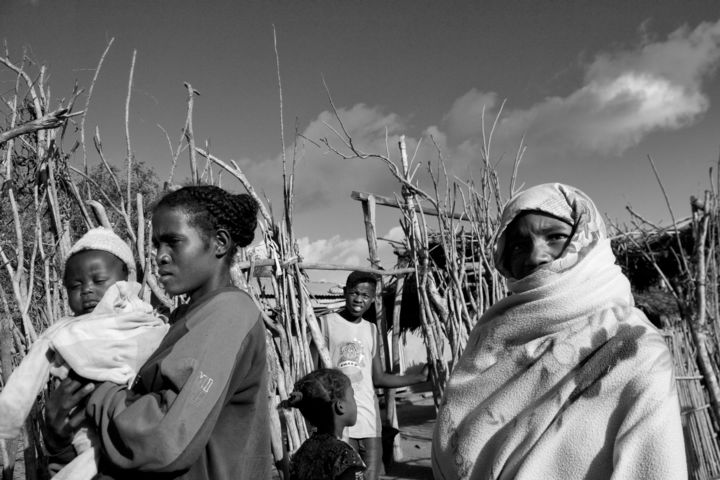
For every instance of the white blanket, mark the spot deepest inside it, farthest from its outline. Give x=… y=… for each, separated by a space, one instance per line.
x=563 y=379
x=109 y=344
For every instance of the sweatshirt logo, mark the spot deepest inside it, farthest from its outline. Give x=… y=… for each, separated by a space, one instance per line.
x=202 y=387
x=205 y=382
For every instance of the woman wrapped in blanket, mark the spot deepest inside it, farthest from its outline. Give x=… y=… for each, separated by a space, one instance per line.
x=564 y=378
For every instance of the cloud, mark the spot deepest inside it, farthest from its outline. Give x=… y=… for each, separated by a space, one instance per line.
x=396 y=234
x=335 y=250
x=323 y=176
x=683 y=59
x=625 y=96
x=341 y=251
x=467 y=113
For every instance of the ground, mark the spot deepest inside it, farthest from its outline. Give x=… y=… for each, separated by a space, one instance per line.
x=416 y=417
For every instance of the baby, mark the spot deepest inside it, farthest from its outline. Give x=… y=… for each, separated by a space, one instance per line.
x=111 y=335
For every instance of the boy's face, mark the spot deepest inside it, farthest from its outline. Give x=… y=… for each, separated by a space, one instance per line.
x=358 y=298
x=88 y=275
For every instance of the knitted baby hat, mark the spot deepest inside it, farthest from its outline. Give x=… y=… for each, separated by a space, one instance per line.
x=104 y=239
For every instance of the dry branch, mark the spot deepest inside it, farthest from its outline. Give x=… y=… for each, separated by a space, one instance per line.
x=87 y=105
x=51 y=120
x=391 y=202
x=189 y=135
x=128 y=147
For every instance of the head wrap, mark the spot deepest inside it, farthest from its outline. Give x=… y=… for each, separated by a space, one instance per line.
x=563 y=371
x=106 y=240
x=561 y=201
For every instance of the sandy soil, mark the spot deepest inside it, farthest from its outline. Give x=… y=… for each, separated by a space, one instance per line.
x=416 y=417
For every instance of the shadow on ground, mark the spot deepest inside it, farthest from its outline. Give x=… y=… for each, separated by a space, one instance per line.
x=416 y=418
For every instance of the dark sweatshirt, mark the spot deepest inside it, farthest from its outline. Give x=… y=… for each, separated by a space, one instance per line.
x=198 y=408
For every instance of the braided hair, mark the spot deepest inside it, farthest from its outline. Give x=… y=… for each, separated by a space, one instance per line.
x=211 y=208
x=315 y=393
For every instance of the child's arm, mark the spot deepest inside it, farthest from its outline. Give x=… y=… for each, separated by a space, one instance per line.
x=167 y=429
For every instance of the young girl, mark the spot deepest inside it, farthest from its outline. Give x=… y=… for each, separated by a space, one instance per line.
x=326 y=399
x=198 y=407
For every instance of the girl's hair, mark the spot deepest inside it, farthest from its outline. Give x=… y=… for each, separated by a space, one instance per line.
x=211 y=208
x=315 y=393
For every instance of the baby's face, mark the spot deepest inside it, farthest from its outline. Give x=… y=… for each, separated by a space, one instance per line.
x=88 y=275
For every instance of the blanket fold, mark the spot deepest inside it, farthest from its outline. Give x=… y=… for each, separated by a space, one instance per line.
x=563 y=379
x=109 y=344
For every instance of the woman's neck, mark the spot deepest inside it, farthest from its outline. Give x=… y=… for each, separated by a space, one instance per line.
x=222 y=280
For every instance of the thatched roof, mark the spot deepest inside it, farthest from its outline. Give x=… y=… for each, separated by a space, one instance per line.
x=635 y=249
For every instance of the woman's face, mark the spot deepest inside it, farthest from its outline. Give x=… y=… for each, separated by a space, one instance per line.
x=534 y=239
x=186 y=261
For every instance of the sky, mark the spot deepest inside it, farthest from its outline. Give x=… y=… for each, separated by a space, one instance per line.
x=593 y=88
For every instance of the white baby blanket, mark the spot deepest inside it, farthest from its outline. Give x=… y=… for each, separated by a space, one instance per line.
x=109 y=344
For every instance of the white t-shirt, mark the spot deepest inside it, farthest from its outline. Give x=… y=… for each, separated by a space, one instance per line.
x=352 y=348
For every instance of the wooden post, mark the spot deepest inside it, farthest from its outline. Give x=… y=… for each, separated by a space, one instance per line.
x=698 y=325
x=397 y=305
x=371 y=235
x=419 y=246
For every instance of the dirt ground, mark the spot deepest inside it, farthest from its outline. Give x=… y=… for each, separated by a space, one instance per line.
x=416 y=418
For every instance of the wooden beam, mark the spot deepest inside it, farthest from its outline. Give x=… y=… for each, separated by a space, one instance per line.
x=391 y=202
x=269 y=262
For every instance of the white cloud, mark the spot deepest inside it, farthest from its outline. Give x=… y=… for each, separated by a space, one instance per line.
x=682 y=59
x=466 y=114
x=342 y=251
x=625 y=96
x=322 y=176
x=396 y=234
x=334 y=250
